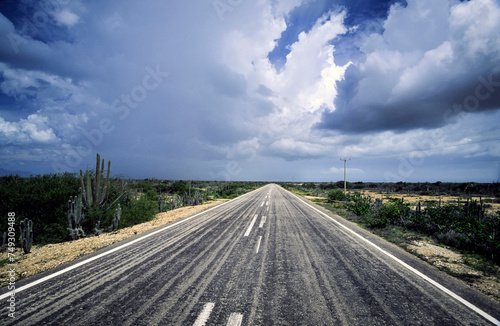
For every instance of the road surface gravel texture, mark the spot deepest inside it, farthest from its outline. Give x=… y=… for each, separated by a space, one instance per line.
x=265 y=258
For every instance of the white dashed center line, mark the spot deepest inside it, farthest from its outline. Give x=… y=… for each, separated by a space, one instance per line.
x=204 y=315
x=258 y=245
x=251 y=225
x=235 y=319
x=262 y=221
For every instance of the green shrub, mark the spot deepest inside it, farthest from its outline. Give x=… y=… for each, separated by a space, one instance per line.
x=394 y=211
x=463 y=227
x=359 y=205
x=138 y=211
x=453 y=239
x=146 y=186
x=151 y=195
x=179 y=187
x=335 y=195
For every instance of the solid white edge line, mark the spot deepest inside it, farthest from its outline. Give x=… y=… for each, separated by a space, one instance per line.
x=235 y=319
x=204 y=315
x=423 y=276
x=70 y=268
x=258 y=245
x=251 y=225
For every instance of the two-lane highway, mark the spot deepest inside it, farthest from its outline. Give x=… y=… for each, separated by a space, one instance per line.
x=265 y=258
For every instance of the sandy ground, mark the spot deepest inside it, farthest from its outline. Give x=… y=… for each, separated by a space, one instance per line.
x=46 y=257
x=454 y=263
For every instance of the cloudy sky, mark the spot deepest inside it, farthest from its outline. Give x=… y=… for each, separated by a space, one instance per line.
x=253 y=90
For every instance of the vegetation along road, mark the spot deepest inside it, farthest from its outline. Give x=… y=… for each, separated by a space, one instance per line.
x=265 y=258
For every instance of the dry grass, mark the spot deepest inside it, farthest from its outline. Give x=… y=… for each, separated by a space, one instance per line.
x=46 y=257
x=414 y=199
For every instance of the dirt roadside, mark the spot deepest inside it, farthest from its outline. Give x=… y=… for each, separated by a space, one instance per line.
x=46 y=257
x=459 y=265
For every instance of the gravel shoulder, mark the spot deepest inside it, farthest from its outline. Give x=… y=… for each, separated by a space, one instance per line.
x=459 y=265
x=43 y=258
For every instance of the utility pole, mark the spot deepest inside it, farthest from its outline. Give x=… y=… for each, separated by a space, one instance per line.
x=345 y=168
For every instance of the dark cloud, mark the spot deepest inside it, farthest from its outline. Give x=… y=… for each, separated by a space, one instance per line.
x=431 y=112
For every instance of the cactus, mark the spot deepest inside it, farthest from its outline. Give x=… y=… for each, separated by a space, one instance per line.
x=97 y=228
x=95 y=189
x=116 y=219
x=26 y=228
x=196 y=198
x=75 y=216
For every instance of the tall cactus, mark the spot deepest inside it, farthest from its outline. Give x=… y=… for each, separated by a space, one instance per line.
x=95 y=188
x=75 y=216
x=26 y=228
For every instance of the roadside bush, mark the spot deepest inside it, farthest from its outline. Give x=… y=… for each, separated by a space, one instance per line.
x=454 y=226
x=395 y=211
x=151 y=195
x=335 y=195
x=453 y=239
x=138 y=211
x=359 y=205
x=463 y=227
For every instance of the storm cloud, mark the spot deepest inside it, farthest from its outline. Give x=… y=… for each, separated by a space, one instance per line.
x=434 y=61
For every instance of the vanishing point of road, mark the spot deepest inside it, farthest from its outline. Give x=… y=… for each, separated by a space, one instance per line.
x=264 y=258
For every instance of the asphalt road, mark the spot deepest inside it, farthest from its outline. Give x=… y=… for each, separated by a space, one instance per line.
x=266 y=258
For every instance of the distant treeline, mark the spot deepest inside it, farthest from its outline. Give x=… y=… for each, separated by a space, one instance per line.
x=420 y=188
